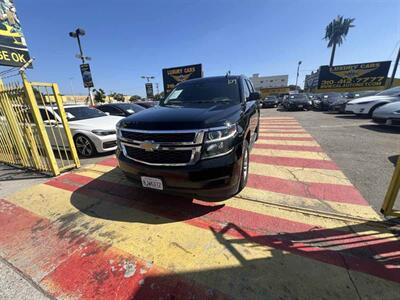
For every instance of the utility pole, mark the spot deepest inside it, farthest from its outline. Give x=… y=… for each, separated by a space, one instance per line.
x=297 y=76
x=394 y=69
x=76 y=34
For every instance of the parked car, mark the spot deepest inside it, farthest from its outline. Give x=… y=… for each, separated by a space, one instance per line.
x=327 y=99
x=147 y=104
x=270 y=101
x=340 y=104
x=120 y=109
x=388 y=114
x=366 y=105
x=93 y=131
x=297 y=102
x=196 y=142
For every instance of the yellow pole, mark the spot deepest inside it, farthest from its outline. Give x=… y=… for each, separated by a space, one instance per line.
x=392 y=192
x=30 y=98
x=61 y=113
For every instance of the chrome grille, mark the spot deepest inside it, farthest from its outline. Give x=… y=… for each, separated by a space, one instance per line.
x=162 y=148
x=160 y=156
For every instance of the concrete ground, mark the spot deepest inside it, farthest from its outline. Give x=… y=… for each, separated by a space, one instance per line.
x=365 y=152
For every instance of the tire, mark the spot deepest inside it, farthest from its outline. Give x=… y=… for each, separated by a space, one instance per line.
x=244 y=174
x=84 y=146
x=371 y=111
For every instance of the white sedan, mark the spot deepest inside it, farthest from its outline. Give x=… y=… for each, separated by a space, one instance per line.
x=388 y=114
x=93 y=131
x=367 y=105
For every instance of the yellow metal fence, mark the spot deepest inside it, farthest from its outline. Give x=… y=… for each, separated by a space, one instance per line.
x=34 y=131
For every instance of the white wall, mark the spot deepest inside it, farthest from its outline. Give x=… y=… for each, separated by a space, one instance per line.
x=269 y=81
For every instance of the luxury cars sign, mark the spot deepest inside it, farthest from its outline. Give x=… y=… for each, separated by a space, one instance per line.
x=357 y=76
x=13 y=48
x=172 y=76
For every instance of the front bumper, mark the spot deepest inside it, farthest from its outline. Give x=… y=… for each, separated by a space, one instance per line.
x=216 y=178
x=269 y=104
x=298 y=106
x=356 y=109
x=104 y=143
x=386 y=121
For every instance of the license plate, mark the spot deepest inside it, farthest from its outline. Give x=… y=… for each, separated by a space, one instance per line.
x=300 y=106
x=152 y=183
x=389 y=122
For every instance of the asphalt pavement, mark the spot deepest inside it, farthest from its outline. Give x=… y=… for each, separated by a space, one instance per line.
x=365 y=152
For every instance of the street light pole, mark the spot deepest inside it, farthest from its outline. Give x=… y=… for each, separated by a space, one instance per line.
x=396 y=63
x=297 y=76
x=76 y=34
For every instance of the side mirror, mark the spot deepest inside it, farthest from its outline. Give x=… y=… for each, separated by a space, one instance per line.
x=254 y=96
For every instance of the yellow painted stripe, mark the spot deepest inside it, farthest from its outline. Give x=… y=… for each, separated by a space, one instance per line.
x=286 y=135
x=285 y=142
x=300 y=174
x=193 y=252
x=259 y=196
x=287 y=153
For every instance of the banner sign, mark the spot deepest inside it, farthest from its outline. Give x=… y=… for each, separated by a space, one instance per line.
x=86 y=76
x=13 y=48
x=149 y=90
x=172 y=76
x=356 y=76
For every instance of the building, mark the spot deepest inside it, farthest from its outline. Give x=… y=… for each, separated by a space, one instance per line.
x=311 y=81
x=266 y=82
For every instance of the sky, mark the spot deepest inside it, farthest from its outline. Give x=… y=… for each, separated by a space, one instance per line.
x=127 y=39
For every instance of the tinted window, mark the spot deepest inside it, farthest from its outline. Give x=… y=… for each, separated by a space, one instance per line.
x=246 y=89
x=390 y=92
x=75 y=113
x=129 y=108
x=44 y=115
x=110 y=109
x=205 y=90
x=298 y=97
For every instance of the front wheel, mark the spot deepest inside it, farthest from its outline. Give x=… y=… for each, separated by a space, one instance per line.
x=84 y=146
x=244 y=175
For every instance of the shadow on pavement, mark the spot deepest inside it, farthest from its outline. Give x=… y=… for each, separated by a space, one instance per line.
x=382 y=128
x=350 y=117
x=278 y=274
x=112 y=197
x=10 y=173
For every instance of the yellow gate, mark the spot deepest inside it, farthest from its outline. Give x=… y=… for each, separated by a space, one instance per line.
x=34 y=131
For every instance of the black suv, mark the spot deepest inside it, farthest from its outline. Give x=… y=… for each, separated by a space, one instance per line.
x=196 y=141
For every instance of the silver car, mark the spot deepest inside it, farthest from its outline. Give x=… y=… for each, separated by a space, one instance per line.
x=388 y=114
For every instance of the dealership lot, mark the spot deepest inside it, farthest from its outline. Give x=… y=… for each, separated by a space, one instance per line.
x=90 y=234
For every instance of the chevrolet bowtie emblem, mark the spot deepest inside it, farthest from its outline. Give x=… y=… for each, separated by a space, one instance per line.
x=149 y=146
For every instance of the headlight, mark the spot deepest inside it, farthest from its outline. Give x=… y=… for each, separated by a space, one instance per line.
x=220 y=134
x=310 y=102
x=219 y=142
x=103 y=132
x=397 y=112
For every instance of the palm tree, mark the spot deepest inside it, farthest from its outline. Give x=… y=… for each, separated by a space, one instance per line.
x=336 y=32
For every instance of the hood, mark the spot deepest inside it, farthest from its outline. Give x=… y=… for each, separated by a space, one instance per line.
x=388 y=109
x=184 y=117
x=374 y=98
x=106 y=123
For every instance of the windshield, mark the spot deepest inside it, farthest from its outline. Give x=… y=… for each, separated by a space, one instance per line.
x=296 y=97
x=390 y=92
x=206 y=90
x=82 y=112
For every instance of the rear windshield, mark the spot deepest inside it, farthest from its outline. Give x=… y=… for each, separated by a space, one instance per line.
x=298 y=97
x=208 y=90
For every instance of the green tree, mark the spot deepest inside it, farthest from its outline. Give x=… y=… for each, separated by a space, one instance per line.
x=134 y=98
x=336 y=32
x=99 y=95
